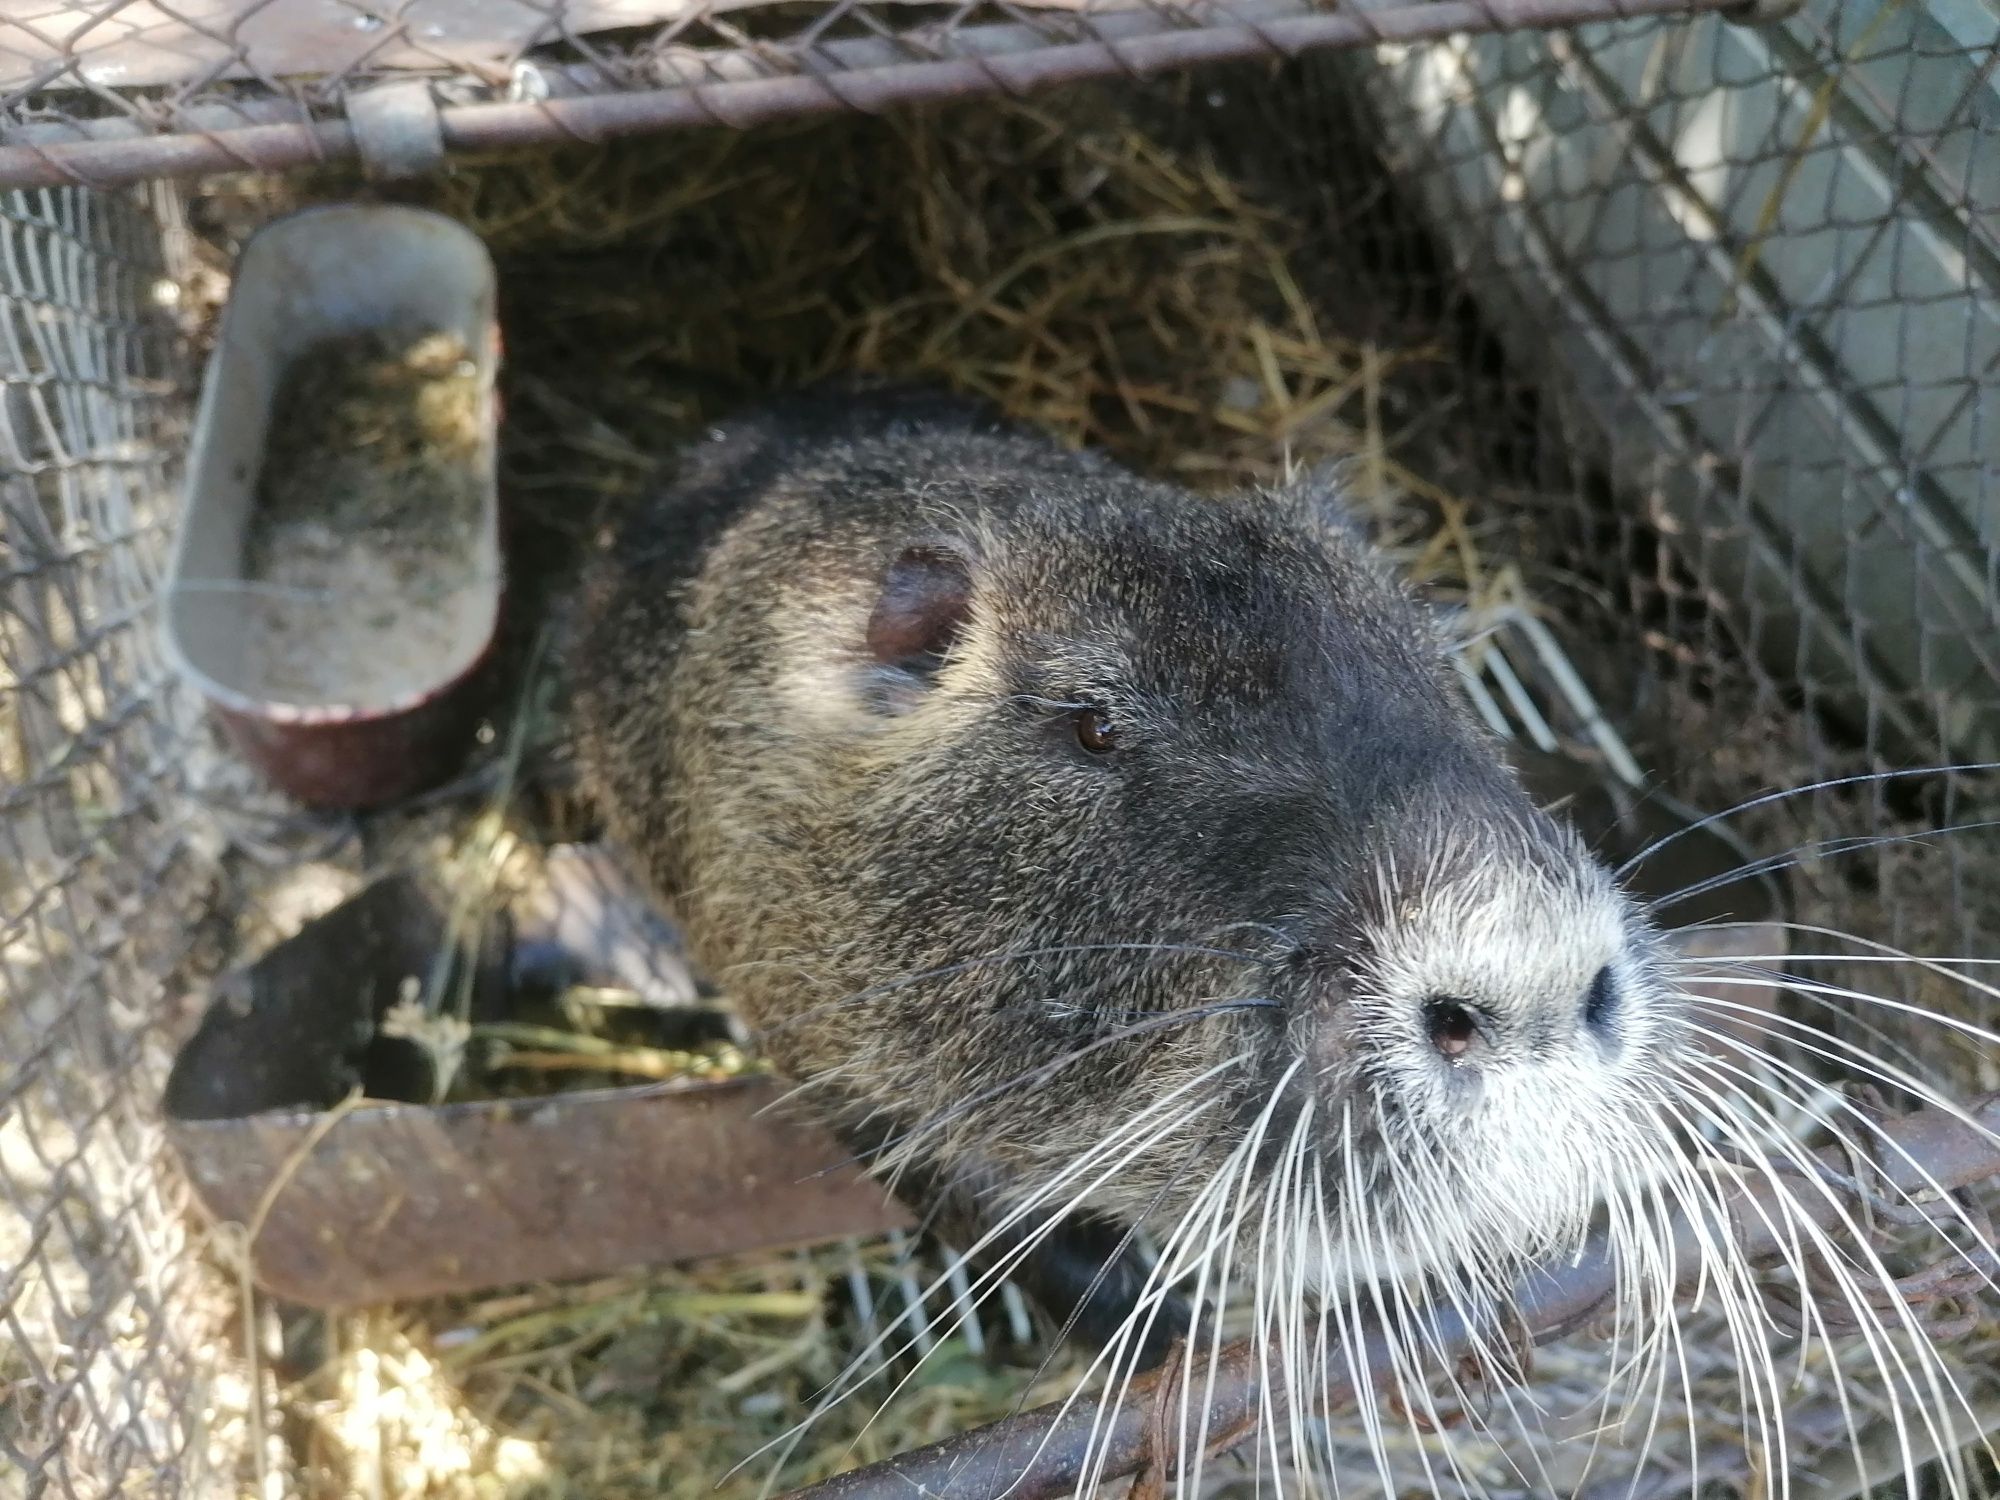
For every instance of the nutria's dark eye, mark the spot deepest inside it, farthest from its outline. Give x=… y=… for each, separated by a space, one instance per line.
x=1094 y=731
x=1454 y=1026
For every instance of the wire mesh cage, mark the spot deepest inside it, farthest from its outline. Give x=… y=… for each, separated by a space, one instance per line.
x=1750 y=270
x=1772 y=240
x=1689 y=321
x=102 y=1372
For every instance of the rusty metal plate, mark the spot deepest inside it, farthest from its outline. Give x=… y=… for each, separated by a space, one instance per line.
x=347 y=1203
x=391 y=1201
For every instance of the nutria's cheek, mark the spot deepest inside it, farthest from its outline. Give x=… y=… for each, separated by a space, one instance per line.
x=1331 y=1044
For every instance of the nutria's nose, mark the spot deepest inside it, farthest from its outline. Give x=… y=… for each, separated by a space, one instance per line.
x=1454 y=1025
x=1460 y=1027
x=1601 y=1003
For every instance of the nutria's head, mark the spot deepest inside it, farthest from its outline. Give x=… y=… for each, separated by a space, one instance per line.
x=1100 y=845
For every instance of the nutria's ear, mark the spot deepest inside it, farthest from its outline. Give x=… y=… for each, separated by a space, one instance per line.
x=925 y=600
x=1319 y=495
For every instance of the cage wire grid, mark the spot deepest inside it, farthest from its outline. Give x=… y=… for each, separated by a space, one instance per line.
x=100 y=1384
x=1724 y=331
x=1757 y=274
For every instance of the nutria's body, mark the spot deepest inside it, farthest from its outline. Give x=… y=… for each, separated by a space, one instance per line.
x=1081 y=844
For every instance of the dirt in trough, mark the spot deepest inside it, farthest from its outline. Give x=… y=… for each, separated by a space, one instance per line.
x=364 y=555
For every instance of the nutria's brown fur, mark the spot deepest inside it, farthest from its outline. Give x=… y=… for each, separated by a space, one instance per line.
x=1039 y=814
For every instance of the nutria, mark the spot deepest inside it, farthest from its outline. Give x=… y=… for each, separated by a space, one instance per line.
x=1014 y=796
x=1110 y=865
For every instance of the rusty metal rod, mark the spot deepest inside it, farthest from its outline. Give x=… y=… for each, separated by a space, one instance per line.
x=1040 y=1454
x=752 y=101
x=679 y=67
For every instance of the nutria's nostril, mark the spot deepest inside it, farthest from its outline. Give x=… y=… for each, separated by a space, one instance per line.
x=1454 y=1026
x=1601 y=1001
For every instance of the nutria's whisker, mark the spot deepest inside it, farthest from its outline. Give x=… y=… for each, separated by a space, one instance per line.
x=1957 y=1217
x=1132 y=1334
x=1745 y=1315
x=1418 y=1399
x=1261 y=1291
x=1645 y=1276
x=1286 y=1308
x=1329 y=1307
x=1767 y=798
x=1822 y=991
x=1168 y=1271
x=989 y=1283
x=1759 y=1020
x=1825 y=995
x=1114 y=1348
x=1113 y=1146
x=1196 y=1236
x=1414 y=1184
x=1365 y=1233
x=903 y=1144
x=1291 y=1295
x=1208 y=1230
x=1728 y=1097
x=1151 y=1301
x=1314 y=1293
x=1877 y=1337
x=1218 y=1264
x=1347 y=1311
x=1898 y=957
x=1723 y=1084
x=1392 y=1304
x=1154 y=1294
x=1827 y=848
x=1877 y=951
x=1750 y=974
x=1468 y=1295
x=1651 y=1296
x=1789 y=1030
x=1248 y=1151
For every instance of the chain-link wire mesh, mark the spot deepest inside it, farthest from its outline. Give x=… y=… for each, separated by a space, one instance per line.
x=1766 y=256
x=100 y=1383
x=1751 y=276
x=1719 y=313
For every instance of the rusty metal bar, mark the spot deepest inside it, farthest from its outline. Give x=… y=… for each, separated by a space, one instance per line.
x=757 y=100
x=1041 y=1454
x=683 y=67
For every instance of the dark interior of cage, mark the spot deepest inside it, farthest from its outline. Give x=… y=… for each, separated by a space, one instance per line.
x=1217 y=277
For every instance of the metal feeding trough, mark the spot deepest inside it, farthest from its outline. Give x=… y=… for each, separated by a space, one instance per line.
x=337 y=632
